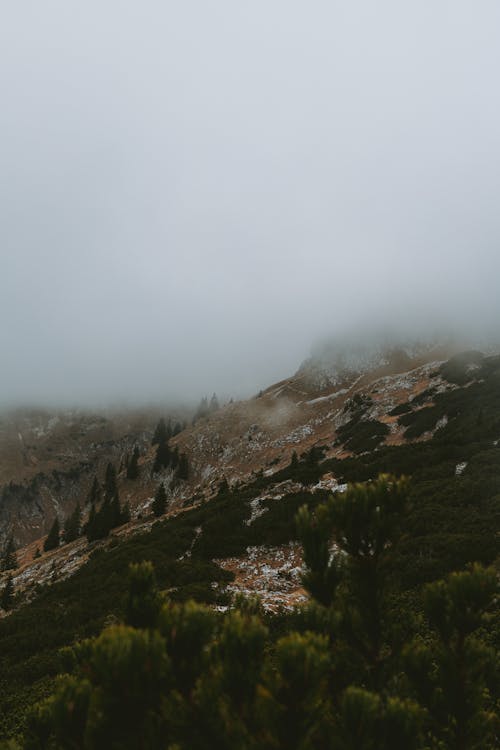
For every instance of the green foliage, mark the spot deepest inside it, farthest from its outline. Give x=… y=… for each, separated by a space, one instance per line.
x=368 y=598
x=7 y=595
x=182 y=471
x=143 y=601
x=133 y=465
x=73 y=525
x=361 y=435
x=457 y=678
x=110 y=486
x=159 y=505
x=346 y=546
x=52 y=540
x=292 y=696
x=163 y=456
x=9 y=557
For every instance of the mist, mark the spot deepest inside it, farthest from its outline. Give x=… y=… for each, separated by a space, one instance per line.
x=193 y=193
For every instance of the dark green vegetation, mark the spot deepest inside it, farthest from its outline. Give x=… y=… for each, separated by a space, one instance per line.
x=361 y=433
x=53 y=537
x=8 y=560
x=447 y=522
x=344 y=678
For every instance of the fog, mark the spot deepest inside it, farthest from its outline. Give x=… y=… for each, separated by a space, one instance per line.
x=192 y=193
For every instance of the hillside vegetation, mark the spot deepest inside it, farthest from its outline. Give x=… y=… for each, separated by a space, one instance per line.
x=309 y=674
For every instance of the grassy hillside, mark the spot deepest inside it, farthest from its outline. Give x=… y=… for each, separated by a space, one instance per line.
x=454 y=519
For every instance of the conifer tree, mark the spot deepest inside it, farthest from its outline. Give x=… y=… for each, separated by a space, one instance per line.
x=174 y=458
x=133 y=465
x=214 y=403
x=177 y=429
x=115 y=512
x=9 y=558
x=160 y=501
x=52 y=541
x=163 y=457
x=125 y=515
x=72 y=525
x=162 y=433
x=90 y=527
x=7 y=596
x=183 y=467
x=95 y=492
x=453 y=678
x=143 y=603
x=110 y=486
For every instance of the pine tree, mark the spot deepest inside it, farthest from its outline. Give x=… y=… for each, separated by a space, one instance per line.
x=9 y=558
x=52 y=541
x=116 y=512
x=177 y=429
x=160 y=501
x=133 y=465
x=214 y=403
x=110 y=487
x=183 y=467
x=90 y=528
x=7 y=596
x=72 y=525
x=162 y=433
x=163 y=457
x=143 y=603
x=125 y=517
x=294 y=462
x=452 y=677
x=174 y=458
x=95 y=492
x=224 y=487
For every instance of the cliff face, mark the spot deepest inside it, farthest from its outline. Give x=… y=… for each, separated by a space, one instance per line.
x=48 y=462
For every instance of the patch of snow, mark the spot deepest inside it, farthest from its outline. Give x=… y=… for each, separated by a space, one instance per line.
x=330 y=397
x=257 y=510
x=460 y=468
x=441 y=422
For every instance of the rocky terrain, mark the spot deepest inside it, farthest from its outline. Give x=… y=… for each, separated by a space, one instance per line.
x=49 y=461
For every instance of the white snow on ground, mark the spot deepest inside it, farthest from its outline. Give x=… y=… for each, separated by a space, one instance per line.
x=441 y=422
x=271 y=573
x=257 y=510
x=460 y=468
x=330 y=397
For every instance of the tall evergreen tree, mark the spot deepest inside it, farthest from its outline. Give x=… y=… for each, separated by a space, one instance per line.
x=95 y=492
x=174 y=458
x=133 y=465
x=7 y=596
x=72 y=525
x=9 y=558
x=214 y=403
x=110 y=486
x=161 y=432
x=163 y=456
x=125 y=514
x=183 y=467
x=53 y=540
x=160 y=502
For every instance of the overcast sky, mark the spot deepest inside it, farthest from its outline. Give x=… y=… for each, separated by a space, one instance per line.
x=192 y=192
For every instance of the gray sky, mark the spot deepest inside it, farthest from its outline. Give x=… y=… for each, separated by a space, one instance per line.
x=192 y=192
